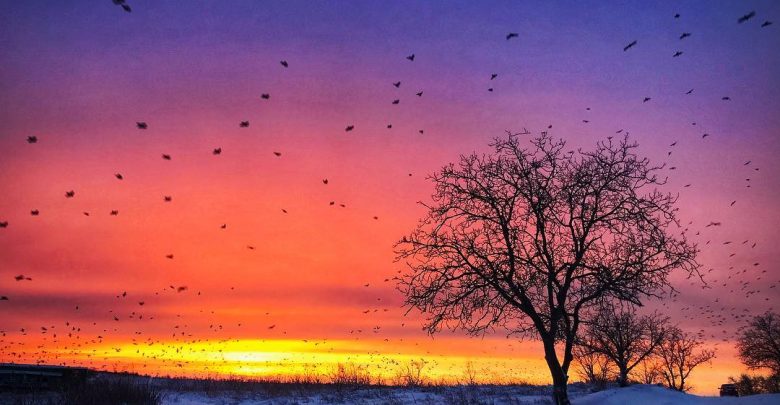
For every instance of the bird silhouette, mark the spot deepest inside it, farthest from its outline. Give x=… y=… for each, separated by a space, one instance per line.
x=725 y=98
x=746 y=17
x=70 y=194
x=166 y=157
x=325 y=181
x=349 y=128
x=676 y=54
x=766 y=24
x=410 y=57
x=123 y=4
x=169 y=256
x=3 y=224
x=512 y=35
x=646 y=99
x=397 y=84
x=216 y=151
x=685 y=35
x=265 y=96
x=119 y=176
x=141 y=125
x=32 y=139
x=243 y=124
x=629 y=46
x=396 y=101
x=278 y=154
x=419 y=94
x=114 y=212
x=493 y=76
x=689 y=91
x=167 y=198
x=34 y=212
x=284 y=63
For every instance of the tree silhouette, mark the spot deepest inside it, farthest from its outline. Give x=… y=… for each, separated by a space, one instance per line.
x=624 y=337
x=531 y=241
x=759 y=343
x=679 y=355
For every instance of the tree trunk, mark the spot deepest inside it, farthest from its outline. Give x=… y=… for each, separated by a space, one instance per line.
x=560 y=394
x=623 y=377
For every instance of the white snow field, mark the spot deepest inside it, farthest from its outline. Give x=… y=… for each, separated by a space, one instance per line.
x=634 y=395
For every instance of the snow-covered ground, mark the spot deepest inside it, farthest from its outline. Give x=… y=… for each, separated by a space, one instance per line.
x=634 y=395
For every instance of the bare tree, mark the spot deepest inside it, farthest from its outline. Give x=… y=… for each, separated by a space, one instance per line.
x=593 y=368
x=624 y=337
x=531 y=240
x=470 y=373
x=759 y=343
x=650 y=371
x=679 y=354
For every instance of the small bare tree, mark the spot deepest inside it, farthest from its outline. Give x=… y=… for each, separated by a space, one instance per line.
x=531 y=240
x=624 y=337
x=650 y=371
x=680 y=353
x=470 y=373
x=410 y=374
x=759 y=343
x=593 y=368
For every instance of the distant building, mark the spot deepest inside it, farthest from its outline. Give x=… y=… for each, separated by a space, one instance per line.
x=40 y=377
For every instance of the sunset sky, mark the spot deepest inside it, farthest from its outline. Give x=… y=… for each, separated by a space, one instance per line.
x=275 y=292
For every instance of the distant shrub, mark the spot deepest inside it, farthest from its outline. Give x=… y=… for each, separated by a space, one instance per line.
x=350 y=374
x=752 y=385
x=125 y=391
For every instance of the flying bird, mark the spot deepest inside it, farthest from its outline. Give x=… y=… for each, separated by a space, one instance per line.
x=746 y=17
x=284 y=63
x=725 y=98
x=141 y=125
x=169 y=256
x=349 y=128
x=677 y=15
x=123 y=4
x=278 y=154
x=217 y=151
x=244 y=124
x=396 y=101
x=410 y=57
x=685 y=35
x=167 y=198
x=119 y=176
x=265 y=96
x=493 y=76
x=512 y=35
x=4 y=224
x=676 y=54
x=766 y=24
x=629 y=46
x=689 y=91
x=397 y=84
x=419 y=94
x=70 y=194
x=34 y=212
x=166 y=157
x=646 y=99
x=114 y=212
x=32 y=139
x=325 y=181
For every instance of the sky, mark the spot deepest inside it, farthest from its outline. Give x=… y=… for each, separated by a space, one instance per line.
x=293 y=282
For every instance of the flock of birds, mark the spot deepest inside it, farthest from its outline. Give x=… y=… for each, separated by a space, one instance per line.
x=189 y=348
